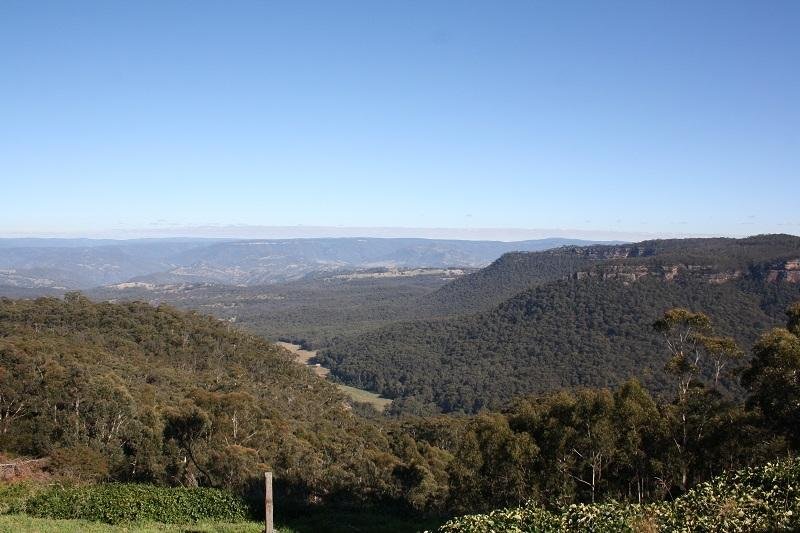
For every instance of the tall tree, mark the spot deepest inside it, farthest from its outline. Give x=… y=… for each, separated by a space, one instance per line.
x=722 y=351
x=773 y=378
x=683 y=330
x=639 y=430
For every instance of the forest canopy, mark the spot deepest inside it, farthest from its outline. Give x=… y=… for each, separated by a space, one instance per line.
x=131 y=392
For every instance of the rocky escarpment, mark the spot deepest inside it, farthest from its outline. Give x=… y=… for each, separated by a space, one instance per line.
x=787 y=271
x=630 y=263
x=780 y=272
x=603 y=252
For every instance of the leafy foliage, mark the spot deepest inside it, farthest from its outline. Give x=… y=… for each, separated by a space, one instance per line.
x=750 y=500
x=774 y=376
x=116 y=503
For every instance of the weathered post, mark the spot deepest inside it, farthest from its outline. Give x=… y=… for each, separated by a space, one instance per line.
x=268 y=502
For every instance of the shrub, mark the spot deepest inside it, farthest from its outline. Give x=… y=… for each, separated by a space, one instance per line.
x=13 y=496
x=515 y=520
x=115 y=503
x=754 y=499
x=79 y=463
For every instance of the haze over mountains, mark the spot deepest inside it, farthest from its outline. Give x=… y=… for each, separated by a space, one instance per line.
x=84 y=263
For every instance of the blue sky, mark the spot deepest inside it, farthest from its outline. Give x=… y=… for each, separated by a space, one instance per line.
x=648 y=117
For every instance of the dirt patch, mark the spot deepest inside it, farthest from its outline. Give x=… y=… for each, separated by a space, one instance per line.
x=23 y=469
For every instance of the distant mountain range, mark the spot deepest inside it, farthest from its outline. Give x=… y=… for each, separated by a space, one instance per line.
x=66 y=264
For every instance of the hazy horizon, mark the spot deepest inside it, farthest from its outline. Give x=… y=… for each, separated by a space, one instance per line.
x=316 y=232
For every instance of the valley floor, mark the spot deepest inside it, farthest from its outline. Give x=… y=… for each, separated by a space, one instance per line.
x=358 y=395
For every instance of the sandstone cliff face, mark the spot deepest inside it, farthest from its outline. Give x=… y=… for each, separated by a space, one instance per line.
x=724 y=277
x=623 y=265
x=603 y=252
x=788 y=272
x=626 y=273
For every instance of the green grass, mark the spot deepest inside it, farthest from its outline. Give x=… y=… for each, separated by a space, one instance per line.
x=357 y=395
x=364 y=396
x=27 y=524
x=14 y=495
x=347 y=522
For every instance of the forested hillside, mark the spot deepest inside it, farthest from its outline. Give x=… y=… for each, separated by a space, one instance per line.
x=140 y=393
x=510 y=274
x=516 y=271
x=131 y=392
x=583 y=330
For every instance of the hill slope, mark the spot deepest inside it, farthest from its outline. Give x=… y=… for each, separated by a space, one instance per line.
x=516 y=271
x=510 y=274
x=589 y=329
x=141 y=393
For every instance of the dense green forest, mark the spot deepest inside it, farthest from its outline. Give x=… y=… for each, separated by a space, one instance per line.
x=139 y=393
x=514 y=272
x=583 y=329
x=131 y=392
x=509 y=275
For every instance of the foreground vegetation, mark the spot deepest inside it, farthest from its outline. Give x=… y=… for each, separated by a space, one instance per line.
x=39 y=507
x=136 y=393
x=751 y=500
x=26 y=506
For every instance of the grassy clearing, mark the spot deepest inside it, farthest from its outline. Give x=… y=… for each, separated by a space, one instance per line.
x=357 y=395
x=363 y=396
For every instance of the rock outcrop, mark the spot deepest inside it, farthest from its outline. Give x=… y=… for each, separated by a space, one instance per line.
x=788 y=272
x=630 y=273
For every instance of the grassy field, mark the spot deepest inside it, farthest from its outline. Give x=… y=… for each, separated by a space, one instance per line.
x=358 y=395
x=27 y=524
x=365 y=396
x=312 y=523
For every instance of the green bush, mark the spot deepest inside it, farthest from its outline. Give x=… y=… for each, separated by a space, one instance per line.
x=13 y=496
x=753 y=499
x=115 y=503
x=516 y=520
x=750 y=500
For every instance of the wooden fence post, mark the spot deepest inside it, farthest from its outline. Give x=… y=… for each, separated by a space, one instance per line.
x=268 y=502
